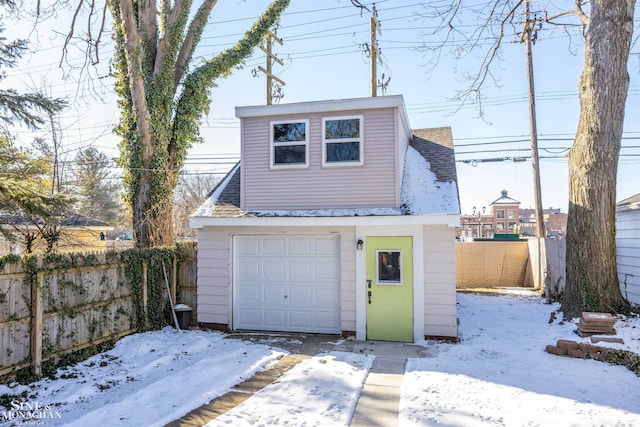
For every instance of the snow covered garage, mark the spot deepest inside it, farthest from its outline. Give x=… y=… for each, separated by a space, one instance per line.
x=326 y=226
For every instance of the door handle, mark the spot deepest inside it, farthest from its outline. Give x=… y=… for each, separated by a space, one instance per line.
x=369 y=293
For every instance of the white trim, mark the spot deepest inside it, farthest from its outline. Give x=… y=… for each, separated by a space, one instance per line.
x=273 y=145
x=416 y=232
x=389 y=282
x=321 y=106
x=451 y=220
x=359 y=140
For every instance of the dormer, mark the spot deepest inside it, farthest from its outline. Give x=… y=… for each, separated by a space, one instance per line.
x=337 y=154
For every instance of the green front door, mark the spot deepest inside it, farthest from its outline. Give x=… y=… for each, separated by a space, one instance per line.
x=389 y=290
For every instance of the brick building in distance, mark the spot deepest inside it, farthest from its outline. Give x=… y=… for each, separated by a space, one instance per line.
x=505 y=216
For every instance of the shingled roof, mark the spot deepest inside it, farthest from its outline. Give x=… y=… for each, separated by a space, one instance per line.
x=434 y=145
x=69 y=219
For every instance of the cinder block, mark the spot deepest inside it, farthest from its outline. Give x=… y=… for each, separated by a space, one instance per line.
x=552 y=349
x=589 y=348
x=578 y=354
x=567 y=344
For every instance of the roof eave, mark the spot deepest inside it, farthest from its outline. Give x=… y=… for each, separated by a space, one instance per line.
x=449 y=219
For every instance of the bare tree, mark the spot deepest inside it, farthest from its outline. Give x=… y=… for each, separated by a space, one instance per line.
x=607 y=27
x=191 y=191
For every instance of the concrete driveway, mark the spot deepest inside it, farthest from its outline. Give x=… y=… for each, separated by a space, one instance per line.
x=378 y=404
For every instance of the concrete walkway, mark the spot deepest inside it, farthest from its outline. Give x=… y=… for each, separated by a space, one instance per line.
x=380 y=399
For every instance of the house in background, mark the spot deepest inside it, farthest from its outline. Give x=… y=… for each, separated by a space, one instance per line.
x=506 y=217
x=338 y=219
x=628 y=247
x=78 y=233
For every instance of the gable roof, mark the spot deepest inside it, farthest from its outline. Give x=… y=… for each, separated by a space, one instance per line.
x=504 y=200
x=69 y=220
x=430 y=185
x=630 y=200
x=628 y=204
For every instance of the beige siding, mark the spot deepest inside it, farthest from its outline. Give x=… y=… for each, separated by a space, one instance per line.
x=373 y=184
x=214 y=277
x=439 y=281
x=215 y=270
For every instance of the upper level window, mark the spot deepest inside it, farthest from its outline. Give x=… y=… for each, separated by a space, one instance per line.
x=500 y=213
x=290 y=144
x=342 y=141
x=511 y=213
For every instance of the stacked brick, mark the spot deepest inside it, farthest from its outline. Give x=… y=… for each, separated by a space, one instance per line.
x=578 y=350
x=596 y=323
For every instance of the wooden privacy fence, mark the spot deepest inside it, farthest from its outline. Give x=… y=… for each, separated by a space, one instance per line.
x=54 y=305
x=491 y=264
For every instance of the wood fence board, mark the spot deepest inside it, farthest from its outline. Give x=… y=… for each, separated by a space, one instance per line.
x=81 y=306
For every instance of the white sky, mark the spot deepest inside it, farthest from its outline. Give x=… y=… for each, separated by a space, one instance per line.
x=324 y=60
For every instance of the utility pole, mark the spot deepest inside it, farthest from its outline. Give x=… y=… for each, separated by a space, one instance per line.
x=374 y=29
x=271 y=58
x=529 y=27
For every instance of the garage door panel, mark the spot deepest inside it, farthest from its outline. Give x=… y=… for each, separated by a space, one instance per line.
x=327 y=320
x=274 y=269
x=275 y=319
x=300 y=296
x=301 y=268
x=326 y=245
x=299 y=246
x=274 y=294
x=249 y=268
x=291 y=284
x=246 y=247
x=273 y=245
x=250 y=317
x=300 y=319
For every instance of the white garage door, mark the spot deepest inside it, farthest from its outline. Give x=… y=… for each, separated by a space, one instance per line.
x=287 y=283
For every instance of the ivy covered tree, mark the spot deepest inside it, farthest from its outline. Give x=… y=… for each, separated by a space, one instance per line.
x=163 y=97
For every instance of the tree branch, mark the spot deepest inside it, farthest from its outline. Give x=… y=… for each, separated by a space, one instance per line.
x=136 y=77
x=191 y=40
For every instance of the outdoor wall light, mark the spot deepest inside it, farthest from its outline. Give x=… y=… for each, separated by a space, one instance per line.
x=359 y=244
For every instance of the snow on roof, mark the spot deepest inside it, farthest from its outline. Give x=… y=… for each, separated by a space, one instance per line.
x=429 y=186
x=422 y=193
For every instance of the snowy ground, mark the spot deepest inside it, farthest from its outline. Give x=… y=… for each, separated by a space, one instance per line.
x=499 y=374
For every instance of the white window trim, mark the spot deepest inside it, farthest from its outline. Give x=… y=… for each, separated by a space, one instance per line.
x=272 y=145
x=389 y=282
x=330 y=141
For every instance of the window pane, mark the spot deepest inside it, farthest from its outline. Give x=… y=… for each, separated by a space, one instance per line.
x=343 y=152
x=500 y=213
x=290 y=154
x=341 y=129
x=286 y=132
x=389 y=266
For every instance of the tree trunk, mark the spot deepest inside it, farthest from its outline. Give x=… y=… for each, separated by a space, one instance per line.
x=592 y=274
